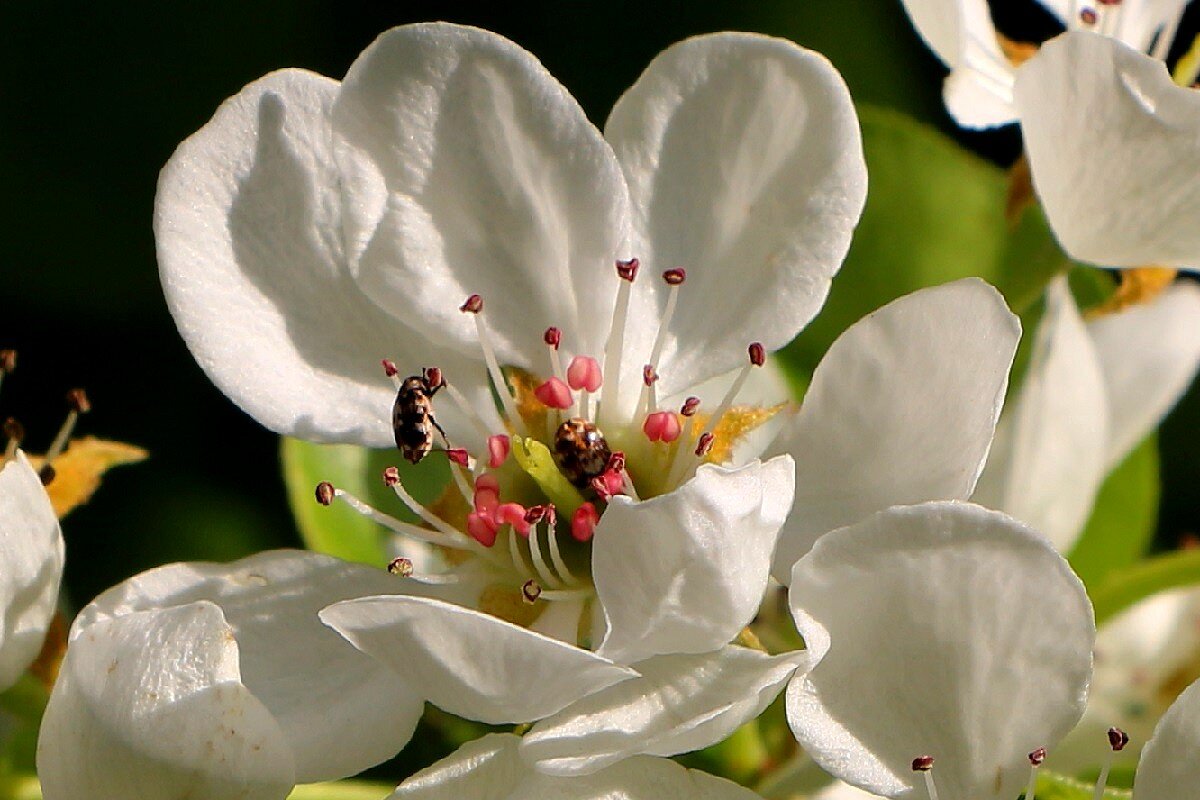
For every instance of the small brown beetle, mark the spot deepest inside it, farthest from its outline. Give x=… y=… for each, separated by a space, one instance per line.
x=412 y=414
x=580 y=451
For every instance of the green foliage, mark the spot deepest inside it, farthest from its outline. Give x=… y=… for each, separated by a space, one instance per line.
x=1051 y=786
x=1169 y=571
x=1123 y=519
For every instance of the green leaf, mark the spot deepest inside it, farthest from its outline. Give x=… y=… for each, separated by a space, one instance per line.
x=341 y=790
x=1051 y=786
x=934 y=213
x=1123 y=519
x=1174 y=570
x=337 y=530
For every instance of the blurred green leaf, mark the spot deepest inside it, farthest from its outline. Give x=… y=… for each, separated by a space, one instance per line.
x=934 y=213
x=1123 y=519
x=338 y=530
x=1051 y=786
x=1174 y=570
x=341 y=790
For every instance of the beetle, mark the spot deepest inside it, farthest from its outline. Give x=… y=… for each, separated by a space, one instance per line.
x=412 y=414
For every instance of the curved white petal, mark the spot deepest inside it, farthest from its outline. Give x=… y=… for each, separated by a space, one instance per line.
x=469 y=169
x=1148 y=354
x=901 y=410
x=745 y=167
x=1139 y=23
x=678 y=704
x=31 y=565
x=978 y=91
x=149 y=705
x=1049 y=456
x=685 y=572
x=490 y=768
x=941 y=629
x=252 y=264
x=1106 y=132
x=1169 y=769
x=472 y=664
x=341 y=711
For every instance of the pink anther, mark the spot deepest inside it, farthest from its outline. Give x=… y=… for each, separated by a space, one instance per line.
x=499 y=446
x=513 y=514
x=662 y=426
x=584 y=373
x=583 y=522
x=459 y=456
x=481 y=528
x=554 y=394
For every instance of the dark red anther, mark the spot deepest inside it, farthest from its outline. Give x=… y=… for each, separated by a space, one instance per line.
x=77 y=401
x=1037 y=757
x=675 y=276
x=616 y=462
x=628 y=270
x=459 y=456
x=1117 y=739
x=8 y=360
x=46 y=474
x=689 y=406
x=649 y=375
x=1088 y=16
x=473 y=305
x=325 y=493
x=434 y=378
x=391 y=476
x=705 y=445
x=14 y=431
x=552 y=337
x=758 y=354
x=535 y=514
x=922 y=763
x=531 y=591
x=401 y=566
x=389 y=368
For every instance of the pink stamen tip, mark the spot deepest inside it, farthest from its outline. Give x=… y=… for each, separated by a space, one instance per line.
x=1088 y=16
x=487 y=494
x=584 y=373
x=472 y=305
x=758 y=354
x=325 y=493
x=628 y=270
x=922 y=763
x=391 y=476
x=554 y=394
x=705 y=445
x=689 y=406
x=513 y=514
x=583 y=522
x=389 y=368
x=1117 y=739
x=649 y=375
x=616 y=462
x=459 y=456
x=1037 y=757
x=662 y=426
x=675 y=276
x=608 y=484
x=434 y=377
x=499 y=446
x=401 y=566
x=482 y=529
x=552 y=337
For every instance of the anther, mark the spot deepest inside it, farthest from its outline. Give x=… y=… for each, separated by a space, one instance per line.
x=758 y=357
x=499 y=446
x=552 y=337
x=47 y=474
x=615 y=344
x=434 y=378
x=459 y=456
x=389 y=368
x=689 y=406
x=628 y=270
x=325 y=493
x=472 y=305
x=8 y=360
x=401 y=566
x=675 y=276
x=1037 y=757
x=583 y=522
x=14 y=431
x=531 y=590
x=513 y=514
x=1035 y=760
x=924 y=765
x=608 y=484
x=77 y=401
x=616 y=462
x=1088 y=16
x=391 y=476
x=584 y=373
x=649 y=375
x=1117 y=738
x=705 y=444
x=662 y=426
x=554 y=394
x=758 y=354
x=535 y=514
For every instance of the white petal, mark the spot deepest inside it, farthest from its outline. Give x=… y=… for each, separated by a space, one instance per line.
x=685 y=572
x=30 y=568
x=472 y=664
x=1140 y=21
x=978 y=91
x=252 y=264
x=679 y=704
x=1106 y=132
x=901 y=410
x=745 y=167
x=469 y=169
x=942 y=629
x=341 y=711
x=1148 y=354
x=490 y=768
x=1169 y=769
x=149 y=705
x=1049 y=456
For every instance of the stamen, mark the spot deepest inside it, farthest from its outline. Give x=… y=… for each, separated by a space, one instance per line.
x=554 y=394
x=499 y=446
x=583 y=522
x=1035 y=760
x=14 y=432
x=924 y=764
x=8 y=362
x=553 y=337
x=560 y=566
x=326 y=493
x=77 y=403
x=1117 y=739
x=401 y=566
x=547 y=577
x=531 y=591
x=467 y=410
x=705 y=445
x=674 y=278
x=662 y=426
x=758 y=357
x=584 y=376
x=391 y=478
x=514 y=552
x=626 y=271
x=1088 y=16
x=679 y=465
x=474 y=306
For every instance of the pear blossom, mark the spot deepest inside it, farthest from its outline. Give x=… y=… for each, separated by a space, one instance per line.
x=1168 y=768
x=609 y=530
x=942 y=633
x=1093 y=391
x=220 y=677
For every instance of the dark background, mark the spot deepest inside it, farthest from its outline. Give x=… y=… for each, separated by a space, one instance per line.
x=95 y=97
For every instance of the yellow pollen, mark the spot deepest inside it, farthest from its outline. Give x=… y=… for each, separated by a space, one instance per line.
x=77 y=471
x=736 y=423
x=1139 y=286
x=1016 y=52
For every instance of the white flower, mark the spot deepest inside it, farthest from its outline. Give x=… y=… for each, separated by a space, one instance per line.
x=941 y=630
x=31 y=568
x=1092 y=392
x=221 y=678
x=312 y=228
x=1169 y=769
x=491 y=768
